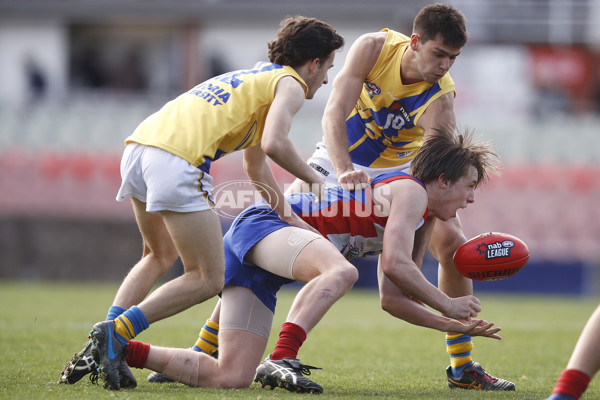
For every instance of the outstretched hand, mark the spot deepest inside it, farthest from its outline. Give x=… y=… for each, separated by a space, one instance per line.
x=475 y=327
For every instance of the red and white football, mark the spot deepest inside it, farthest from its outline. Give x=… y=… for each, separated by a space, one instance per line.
x=491 y=256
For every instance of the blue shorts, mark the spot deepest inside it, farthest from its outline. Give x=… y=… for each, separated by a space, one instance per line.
x=250 y=227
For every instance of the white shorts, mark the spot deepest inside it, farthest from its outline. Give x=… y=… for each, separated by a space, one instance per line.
x=163 y=180
x=321 y=163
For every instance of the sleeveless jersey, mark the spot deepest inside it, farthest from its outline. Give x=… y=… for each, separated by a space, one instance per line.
x=382 y=128
x=349 y=220
x=345 y=218
x=217 y=117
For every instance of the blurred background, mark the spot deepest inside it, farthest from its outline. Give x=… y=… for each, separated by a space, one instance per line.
x=77 y=76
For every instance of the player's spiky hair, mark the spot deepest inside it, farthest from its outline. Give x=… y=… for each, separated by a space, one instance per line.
x=441 y=19
x=301 y=39
x=450 y=153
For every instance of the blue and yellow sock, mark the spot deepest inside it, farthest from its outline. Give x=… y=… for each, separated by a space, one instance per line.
x=459 y=347
x=114 y=312
x=130 y=324
x=208 y=339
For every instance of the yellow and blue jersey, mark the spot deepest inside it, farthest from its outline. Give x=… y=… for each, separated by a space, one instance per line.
x=217 y=117
x=382 y=128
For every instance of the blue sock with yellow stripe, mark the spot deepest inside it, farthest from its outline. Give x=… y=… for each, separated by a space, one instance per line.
x=114 y=312
x=130 y=324
x=208 y=339
x=459 y=347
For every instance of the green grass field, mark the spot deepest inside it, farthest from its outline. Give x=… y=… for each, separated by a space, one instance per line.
x=363 y=351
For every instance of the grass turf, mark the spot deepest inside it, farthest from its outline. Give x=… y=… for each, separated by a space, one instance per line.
x=363 y=351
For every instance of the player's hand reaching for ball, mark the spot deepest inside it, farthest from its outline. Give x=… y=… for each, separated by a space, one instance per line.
x=474 y=327
x=354 y=180
x=465 y=307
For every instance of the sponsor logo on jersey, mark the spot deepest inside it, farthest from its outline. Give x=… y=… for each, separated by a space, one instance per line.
x=397 y=117
x=398 y=108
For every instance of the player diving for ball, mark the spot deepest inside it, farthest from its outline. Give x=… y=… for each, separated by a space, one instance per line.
x=394 y=217
x=392 y=93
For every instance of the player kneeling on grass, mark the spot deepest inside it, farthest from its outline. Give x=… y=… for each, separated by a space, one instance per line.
x=394 y=217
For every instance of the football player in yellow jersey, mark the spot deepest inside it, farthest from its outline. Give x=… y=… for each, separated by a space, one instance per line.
x=391 y=94
x=165 y=171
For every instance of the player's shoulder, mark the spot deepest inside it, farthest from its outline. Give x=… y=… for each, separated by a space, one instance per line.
x=393 y=176
x=399 y=197
x=291 y=85
x=394 y=36
x=372 y=40
x=407 y=186
x=399 y=185
x=446 y=82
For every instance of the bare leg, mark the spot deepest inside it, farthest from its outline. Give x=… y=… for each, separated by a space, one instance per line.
x=319 y=264
x=215 y=316
x=446 y=238
x=328 y=276
x=240 y=349
x=586 y=355
x=239 y=355
x=197 y=238
x=583 y=364
x=158 y=256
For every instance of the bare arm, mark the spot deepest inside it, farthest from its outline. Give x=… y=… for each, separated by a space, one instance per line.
x=258 y=170
x=289 y=97
x=422 y=237
x=408 y=202
x=346 y=90
x=395 y=302
x=401 y=306
x=439 y=114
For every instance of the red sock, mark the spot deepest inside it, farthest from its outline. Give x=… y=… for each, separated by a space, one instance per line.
x=572 y=383
x=290 y=339
x=137 y=354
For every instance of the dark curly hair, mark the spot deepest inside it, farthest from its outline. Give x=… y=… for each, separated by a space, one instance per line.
x=301 y=39
x=441 y=19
